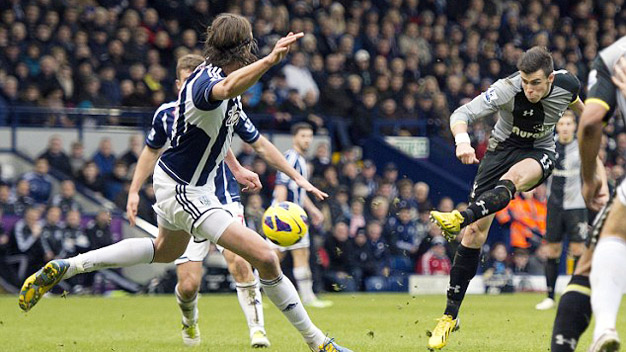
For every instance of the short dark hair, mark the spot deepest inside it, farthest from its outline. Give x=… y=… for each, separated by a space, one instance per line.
x=300 y=126
x=534 y=59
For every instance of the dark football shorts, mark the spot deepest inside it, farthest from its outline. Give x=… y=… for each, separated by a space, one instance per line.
x=497 y=163
x=571 y=223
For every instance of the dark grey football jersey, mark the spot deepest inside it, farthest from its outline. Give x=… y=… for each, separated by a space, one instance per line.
x=564 y=186
x=521 y=124
x=601 y=87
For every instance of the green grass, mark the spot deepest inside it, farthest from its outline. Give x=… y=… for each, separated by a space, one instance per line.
x=385 y=322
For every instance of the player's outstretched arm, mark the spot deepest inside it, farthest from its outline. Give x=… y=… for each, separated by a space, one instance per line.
x=237 y=82
x=277 y=160
x=249 y=179
x=145 y=166
x=589 y=138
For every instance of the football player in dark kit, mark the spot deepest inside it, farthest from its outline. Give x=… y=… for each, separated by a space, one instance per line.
x=520 y=156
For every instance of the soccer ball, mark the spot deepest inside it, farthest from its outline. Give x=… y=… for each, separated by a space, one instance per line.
x=285 y=223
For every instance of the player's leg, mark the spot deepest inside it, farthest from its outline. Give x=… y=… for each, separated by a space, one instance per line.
x=552 y=272
x=304 y=277
x=463 y=270
x=189 y=274
x=249 y=295
x=608 y=281
x=574 y=311
x=168 y=245
x=278 y=288
x=523 y=175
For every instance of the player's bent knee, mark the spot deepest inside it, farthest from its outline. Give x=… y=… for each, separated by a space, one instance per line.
x=188 y=286
x=267 y=260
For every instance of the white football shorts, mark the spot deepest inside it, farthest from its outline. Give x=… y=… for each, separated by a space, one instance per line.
x=183 y=207
x=197 y=251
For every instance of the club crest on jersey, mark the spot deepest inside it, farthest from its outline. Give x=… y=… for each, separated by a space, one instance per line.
x=233 y=116
x=490 y=95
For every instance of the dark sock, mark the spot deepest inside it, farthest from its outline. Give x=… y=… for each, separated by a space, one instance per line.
x=463 y=270
x=552 y=272
x=572 y=316
x=489 y=202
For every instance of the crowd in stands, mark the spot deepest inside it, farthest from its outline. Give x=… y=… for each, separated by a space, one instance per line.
x=359 y=61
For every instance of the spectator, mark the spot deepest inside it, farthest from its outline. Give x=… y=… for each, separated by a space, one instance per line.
x=380 y=247
x=364 y=116
x=340 y=275
x=357 y=217
x=246 y=155
x=91 y=178
x=254 y=213
x=298 y=75
x=114 y=183
x=405 y=193
x=368 y=177
x=99 y=230
x=135 y=145
x=27 y=236
x=56 y=157
x=65 y=200
x=75 y=241
x=421 y=190
x=104 y=157
x=52 y=235
x=401 y=232
x=498 y=276
x=39 y=181
x=435 y=261
x=340 y=206
x=365 y=263
x=525 y=216
x=77 y=158
x=379 y=209
x=321 y=159
x=6 y=203
x=23 y=200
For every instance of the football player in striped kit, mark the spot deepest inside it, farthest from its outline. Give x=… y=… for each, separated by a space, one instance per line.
x=208 y=109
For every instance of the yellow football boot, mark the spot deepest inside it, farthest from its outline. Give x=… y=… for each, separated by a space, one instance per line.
x=449 y=223
x=41 y=282
x=439 y=336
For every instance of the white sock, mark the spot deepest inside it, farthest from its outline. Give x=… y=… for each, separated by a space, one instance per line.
x=249 y=294
x=608 y=282
x=304 y=279
x=284 y=295
x=189 y=308
x=124 y=253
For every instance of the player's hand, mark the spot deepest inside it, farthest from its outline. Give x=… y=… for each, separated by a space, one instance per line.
x=307 y=186
x=619 y=75
x=249 y=180
x=131 y=207
x=466 y=153
x=317 y=217
x=282 y=47
x=595 y=193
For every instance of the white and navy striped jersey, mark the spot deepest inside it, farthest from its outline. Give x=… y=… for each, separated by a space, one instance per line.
x=295 y=194
x=202 y=130
x=226 y=187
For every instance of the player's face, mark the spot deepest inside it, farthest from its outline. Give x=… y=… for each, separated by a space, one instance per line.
x=303 y=139
x=566 y=127
x=536 y=85
x=183 y=75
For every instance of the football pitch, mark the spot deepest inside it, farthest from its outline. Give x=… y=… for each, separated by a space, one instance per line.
x=362 y=322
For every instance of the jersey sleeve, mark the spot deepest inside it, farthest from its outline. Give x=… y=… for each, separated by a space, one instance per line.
x=201 y=90
x=601 y=89
x=157 y=137
x=246 y=129
x=485 y=104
